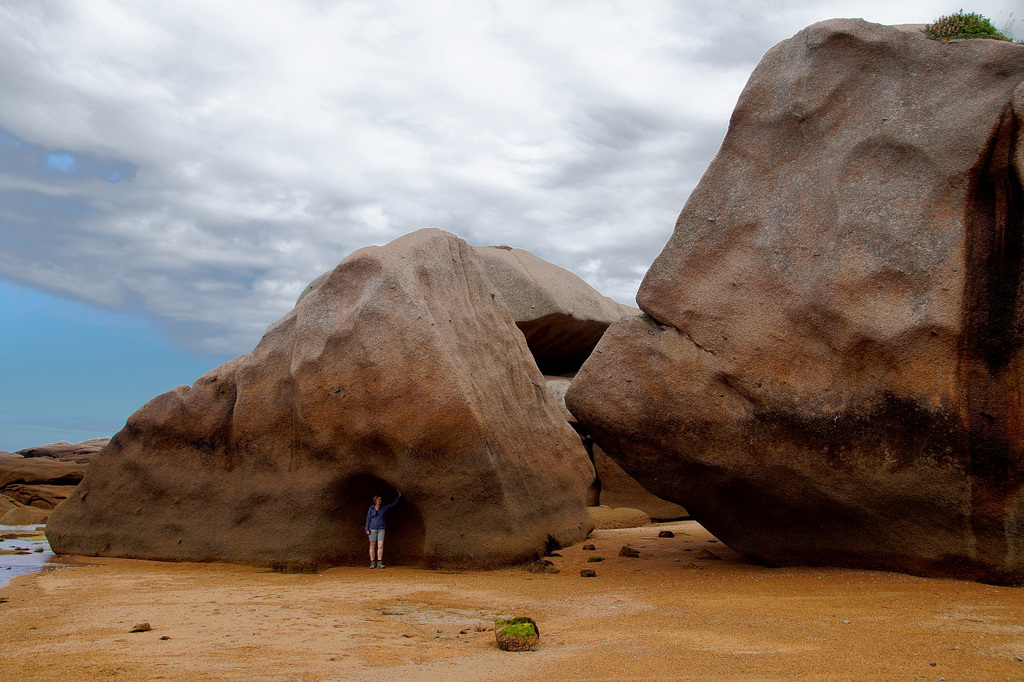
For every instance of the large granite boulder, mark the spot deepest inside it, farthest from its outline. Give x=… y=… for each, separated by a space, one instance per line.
x=830 y=369
x=402 y=371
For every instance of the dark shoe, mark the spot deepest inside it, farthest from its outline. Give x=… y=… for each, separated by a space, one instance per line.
x=373 y=565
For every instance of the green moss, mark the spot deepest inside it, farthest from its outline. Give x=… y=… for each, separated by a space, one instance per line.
x=520 y=629
x=595 y=559
x=963 y=25
x=520 y=625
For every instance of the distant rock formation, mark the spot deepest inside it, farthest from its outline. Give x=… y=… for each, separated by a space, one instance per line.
x=67 y=452
x=401 y=370
x=830 y=369
x=561 y=316
x=35 y=480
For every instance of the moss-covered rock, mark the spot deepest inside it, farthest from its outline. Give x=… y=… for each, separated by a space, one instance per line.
x=516 y=634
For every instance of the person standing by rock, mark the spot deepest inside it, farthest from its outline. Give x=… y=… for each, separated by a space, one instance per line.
x=375 y=525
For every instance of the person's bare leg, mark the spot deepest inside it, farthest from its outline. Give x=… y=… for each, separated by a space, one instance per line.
x=372 y=553
x=380 y=554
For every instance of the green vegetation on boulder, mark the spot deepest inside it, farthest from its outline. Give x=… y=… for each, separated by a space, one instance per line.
x=963 y=25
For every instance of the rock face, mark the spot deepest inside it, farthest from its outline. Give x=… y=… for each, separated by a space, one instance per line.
x=830 y=368
x=402 y=370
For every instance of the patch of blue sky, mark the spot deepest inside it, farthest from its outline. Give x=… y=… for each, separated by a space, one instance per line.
x=26 y=160
x=70 y=371
x=63 y=163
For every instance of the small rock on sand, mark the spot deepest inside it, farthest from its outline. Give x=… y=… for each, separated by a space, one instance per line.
x=516 y=634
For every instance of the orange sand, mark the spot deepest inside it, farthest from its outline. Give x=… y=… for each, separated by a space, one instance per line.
x=664 y=615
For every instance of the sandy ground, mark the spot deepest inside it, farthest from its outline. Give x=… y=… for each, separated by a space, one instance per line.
x=667 y=614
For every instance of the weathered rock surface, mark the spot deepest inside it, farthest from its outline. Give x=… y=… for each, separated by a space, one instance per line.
x=403 y=370
x=40 y=496
x=830 y=369
x=561 y=316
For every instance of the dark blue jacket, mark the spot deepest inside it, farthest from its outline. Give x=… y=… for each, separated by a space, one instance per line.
x=375 y=517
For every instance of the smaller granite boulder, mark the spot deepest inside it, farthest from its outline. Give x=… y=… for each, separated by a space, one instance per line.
x=516 y=634
x=24 y=516
x=622 y=517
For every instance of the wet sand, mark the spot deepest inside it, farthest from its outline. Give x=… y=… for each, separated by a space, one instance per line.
x=667 y=614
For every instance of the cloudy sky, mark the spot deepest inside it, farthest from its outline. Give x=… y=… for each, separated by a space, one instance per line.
x=172 y=174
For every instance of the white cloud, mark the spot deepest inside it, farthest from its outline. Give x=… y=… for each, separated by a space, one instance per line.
x=260 y=143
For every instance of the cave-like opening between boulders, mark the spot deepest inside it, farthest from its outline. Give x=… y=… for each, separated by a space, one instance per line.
x=404 y=540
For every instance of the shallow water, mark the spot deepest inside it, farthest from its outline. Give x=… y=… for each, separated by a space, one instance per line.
x=36 y=559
